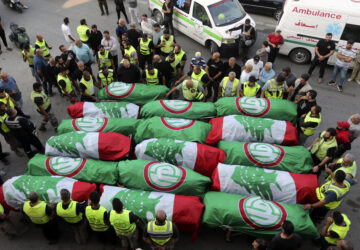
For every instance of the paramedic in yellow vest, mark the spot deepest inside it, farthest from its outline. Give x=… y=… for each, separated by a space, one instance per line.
x=72 y=213
x=196 y=74
x=83 y=31
x=308 y=123
x=87 y=89
x=192 y=91
x=250 y=88
x=228 y=85
x=98 y=219
x=43 y=106
x=152 y=76
x=335 y=229
x=166 y=43
x=130 y=51
x=28 y=56
x=40 y=43
x=10 y=102
x=146 y=52
x=175 y=65
x=124 y=224
x=180 y=55
x=346 y=164
x=41 y=214
x=275 y=88
x=323 y=149
x=330 y=194
x=161 y=233
x=105 y=58
x=105 y=76
x=65 y=85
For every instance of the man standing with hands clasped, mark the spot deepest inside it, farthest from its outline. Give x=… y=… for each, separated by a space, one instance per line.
x=167 y=9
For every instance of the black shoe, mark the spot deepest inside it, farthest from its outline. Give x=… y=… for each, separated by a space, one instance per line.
x=339 y=88
x=107 y=13
x=331 y=83
x=102 y=13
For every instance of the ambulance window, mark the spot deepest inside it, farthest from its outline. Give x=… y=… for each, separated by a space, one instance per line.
x=199 y=13
x=351 y=32
x=184 y=5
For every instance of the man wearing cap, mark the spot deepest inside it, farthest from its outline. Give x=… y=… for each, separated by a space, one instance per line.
x=257 y=65
x=196 y=74
x=275 y=40
x=301 y=86
x=198 y=60
x=192 y=91
x=249 y=88
x=152 y=76
x=275 y=88
x=147 y=50
x=232 y=66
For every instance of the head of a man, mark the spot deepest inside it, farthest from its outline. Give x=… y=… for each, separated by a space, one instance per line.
x=268 y=66
x=259 y=244
x=78 y=43
x=252 y=81
x=315 y=110
x=39 y=52
x=355 y=119
x=156 y=27
x=39 y=37
x=27 y=47
x=145 y=37
x=171 y=57
x=94 y=198
x=177 y=49
x=232 y=61
x=81 y=65
x=232 y=75
x=117 y=205
x=286 y=71
x=37 y=87
x=216 y=56
x=11 y=112
x=4 y=77
x=126 y=63
x=247 y=22
x=121 y=22
x=63 y=71
x=94 y=28
x=348 y=160
x=248 y=68
x=126 y=44
x=52 y=61
x=151 y=69
x=189 y=84
x=87 y=75
x=340 y=176
x=344 y=245
x=2 y=108
x=66 y=21
x=349 y=44
x=311 y=94
x=166 y=35
x=328 y=36
x=287 y=228
x=101 y=49
x=144 y=17
x=133 y=25
x=197 y=69
x=280 y=79
x=2 y=93
x=304 y=78
x=338 y=218
x=329 y=134
x=33 y=197
x=256 y=59
x=157 y=58
x=65 y=195
x=160 y=217
x=277 y=33
x=106 y=35
x=62 y=48
x=83 y=22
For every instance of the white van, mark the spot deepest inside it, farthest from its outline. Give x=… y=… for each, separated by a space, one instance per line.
x=206 y=21
x=304 y=22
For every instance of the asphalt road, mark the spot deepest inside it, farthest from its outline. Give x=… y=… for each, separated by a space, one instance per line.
x=45 y=17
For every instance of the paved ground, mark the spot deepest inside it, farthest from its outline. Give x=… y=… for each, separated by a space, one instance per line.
x=45 y=17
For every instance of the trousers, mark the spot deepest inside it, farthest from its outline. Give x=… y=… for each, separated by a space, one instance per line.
x=3 y=37
x=102 y=4
x=51 y=118
x=29 y=140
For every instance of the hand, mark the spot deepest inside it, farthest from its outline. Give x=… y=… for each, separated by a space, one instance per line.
x=328 y=171
x=315 y=169
x=321 y=58
x=308 y=148
x=329 y=220
x=306 y=206
x=37 y=133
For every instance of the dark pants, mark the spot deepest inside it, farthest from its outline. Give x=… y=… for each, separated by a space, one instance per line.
x=273 y=53
x=50 y=230
x=144 y=59
x=168 y=23
x=116 y=62
x=86 y=99
x=322 y=64
x=214 y=85
x=103 y=3
x=324 y=244
x=27 y=141
x=108 y=236
x=318 y=214
x=3 y=37
x=122 y=9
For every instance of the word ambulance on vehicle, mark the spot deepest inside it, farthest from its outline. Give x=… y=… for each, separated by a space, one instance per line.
x=305 y=22
x=206 y=21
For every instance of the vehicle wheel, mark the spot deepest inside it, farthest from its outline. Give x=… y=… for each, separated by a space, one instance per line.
x=277 y=14
x=300 y=56
x=213 y=47
x=158 y=17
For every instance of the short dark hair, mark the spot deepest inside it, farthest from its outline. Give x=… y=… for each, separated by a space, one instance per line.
x=101 y=46
x=57 y=58
x=1 y=103
x=156 y=25
x=252 y=79
x=340 y=176
x=62 y=69
x=144 y=15
x=317 y=109
x=280 y=78
x=287 y=70
x=106 y=32
x=329 y=34
x=338 y=218
x=10 y=111
x=62 y=45
x=2 y=90
x=117 y=205
x=36 y=86
x=247 y=21
x=332 y=131
x=313 y=93
x=288 y=227
x=265 y=43
x=94 y=198
x=166 y=32
x=262 y=244
x=305 y=76
x=65 y=194
x=66 y=20
x=94 y=26
x=34 y=197
x=26 y=46
x=82 y=21
x=150 y=67
x=350 y=42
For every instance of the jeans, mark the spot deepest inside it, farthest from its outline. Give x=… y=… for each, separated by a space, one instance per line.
x=343 y=71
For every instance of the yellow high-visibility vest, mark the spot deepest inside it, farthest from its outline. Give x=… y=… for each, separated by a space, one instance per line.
x=104 y=59
x=275 y=91
x=160 y=234
x=96 y=218
x=121 y=222
x=42 y=46
x=235 y=85
x=81 y=30
x=144 y=47
x=69 y=214
x=167 y=48
x=152 y=79
x=37 y=213
x=46 y=99
x=340 y=230
x=330 y=186
x=68 y=85
x=309 y=118
x=251 y=91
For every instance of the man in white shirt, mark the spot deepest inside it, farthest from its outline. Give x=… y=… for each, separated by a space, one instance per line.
x=343 y=59
x=67 y=33
x=111 y=44
x=257 y=65
x=147 y=24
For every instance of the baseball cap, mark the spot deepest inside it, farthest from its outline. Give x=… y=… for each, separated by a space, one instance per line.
x=256 y=58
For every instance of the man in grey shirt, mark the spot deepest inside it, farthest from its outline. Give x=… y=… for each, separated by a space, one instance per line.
x=134 y=13
x=156 y=34
x=229 y=81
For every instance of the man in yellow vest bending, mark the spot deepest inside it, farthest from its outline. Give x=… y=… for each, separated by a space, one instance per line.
x=43 y=106
x=65 y=85
x=41 y=215
x=275 y=88
x=124 y=223
x=83 y=31
x=153 y=76
x=196 y=74
x=40 y=43
x=87 y=89
x=346 y=164
x=105 y=76
x=105 y=58
x=161 y=233
x=192 y=91
x=72 y=213
x=249 y=88
x=228 y=85
x=180 y=55
x=335 y=229
x=308 y=123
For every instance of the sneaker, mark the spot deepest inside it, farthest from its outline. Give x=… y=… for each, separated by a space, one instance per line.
x=350 y=79
x=320 y=80
x=358 y=82
x=331 y=83
x=339 y=88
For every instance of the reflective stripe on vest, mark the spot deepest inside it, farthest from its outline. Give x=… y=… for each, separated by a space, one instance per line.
x=4 y=128
x=81 y=30
x=1 y=209
x=129 y=53
x=340 y=230
x=68 y=85
x=323 y=146
x=180 y=55
x=42 y=95
x=42 y=46
x=198 y=77
x=173 y=65
x=144 y=47
x=89 y=85
x=6 y=102
x=235 y=85
x=309 y=118
x=104 y=59
x=106 y=80
x=275 y=91
x=167 y=48
x=96 y=218
x=152 y=79
x=192 y=93
x=121 y=222
x=37 y=213
x=31 y=52
x=160 y=234
x=251 y=91
x=69 y=214
x=339 y=191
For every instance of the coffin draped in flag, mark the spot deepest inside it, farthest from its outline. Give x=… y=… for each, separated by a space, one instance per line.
x=184 y=211
x=178 y=109
x=16 y=190
x=257 y=107
x=174 y=128
x=252 y=129
x=137 y=93
x=294 y=159
x=162 y=177
x=125 y=126
x=255 y=216
x=103 y=109
x=77 y=168
x=198 y=157
x=107 y=146
x=269 y=184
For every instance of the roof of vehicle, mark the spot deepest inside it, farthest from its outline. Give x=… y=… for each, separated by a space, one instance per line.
x=208 y=2
x=350 y=6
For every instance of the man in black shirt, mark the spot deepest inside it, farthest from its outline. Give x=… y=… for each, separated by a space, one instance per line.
x=306 y=102
x=120 y=8
x=69 y=60
x=78 y=74
x=134 y=36
x=51 y=72
x=232 y=66
x=128 y=72
x=168 y=9
x=164 y=68
x=323 y=50
x=214 y=70
x=287 y=239
x=95 y=39
x=290 y=77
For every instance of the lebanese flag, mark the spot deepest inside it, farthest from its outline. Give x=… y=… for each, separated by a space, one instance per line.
x=274 y=185
x=252 y=129
x=16 y=190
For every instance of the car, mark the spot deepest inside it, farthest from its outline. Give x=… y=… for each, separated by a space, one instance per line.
x=267 y=7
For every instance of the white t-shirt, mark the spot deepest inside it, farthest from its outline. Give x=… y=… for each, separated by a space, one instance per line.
x=66 y=31
x=245 y=76
x=256 y=67
x=345 y=52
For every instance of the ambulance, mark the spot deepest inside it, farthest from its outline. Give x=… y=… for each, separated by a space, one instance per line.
x=305 y=22
x=206 y=21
